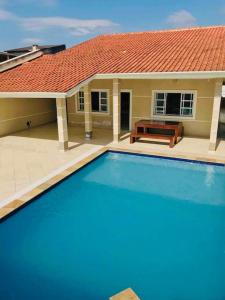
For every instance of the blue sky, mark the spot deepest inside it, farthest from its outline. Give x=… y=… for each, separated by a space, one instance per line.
x=25 y=22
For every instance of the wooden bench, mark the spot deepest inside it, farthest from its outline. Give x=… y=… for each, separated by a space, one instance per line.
x=135 y=136
x=161 y=130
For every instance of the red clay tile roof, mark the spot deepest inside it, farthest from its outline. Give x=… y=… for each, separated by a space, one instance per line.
x=195 y=49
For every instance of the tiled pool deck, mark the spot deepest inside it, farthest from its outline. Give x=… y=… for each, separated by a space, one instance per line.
x=25 y=198
x=30 y=162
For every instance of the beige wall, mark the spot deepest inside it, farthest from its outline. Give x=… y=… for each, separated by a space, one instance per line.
x=14 y=113
x=142 y=103
x=99 y=119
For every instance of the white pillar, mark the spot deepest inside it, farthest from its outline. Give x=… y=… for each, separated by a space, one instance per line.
x=215 y=115
x=116 y=110
x=62 y=123
x=87 y=112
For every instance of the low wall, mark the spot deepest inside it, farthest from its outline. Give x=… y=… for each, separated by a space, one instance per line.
x=15 y=113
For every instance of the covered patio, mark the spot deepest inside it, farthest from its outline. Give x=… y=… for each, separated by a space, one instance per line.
x=204 y=109
x=28 y=156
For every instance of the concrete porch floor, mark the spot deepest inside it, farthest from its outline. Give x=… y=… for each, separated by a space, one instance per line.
x=30 y=155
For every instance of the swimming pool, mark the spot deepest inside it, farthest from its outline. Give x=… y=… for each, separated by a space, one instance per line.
x=155 y=225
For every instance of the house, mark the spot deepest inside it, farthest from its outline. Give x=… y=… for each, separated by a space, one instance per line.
x=117 y=79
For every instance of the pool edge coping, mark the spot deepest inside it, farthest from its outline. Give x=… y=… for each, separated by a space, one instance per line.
x=170 y=156
x=19 y=202
x=27 y=197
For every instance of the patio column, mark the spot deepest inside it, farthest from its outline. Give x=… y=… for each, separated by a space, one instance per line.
x=62 y=123
x=116 y=110
x=215 y=115
x=87 y=112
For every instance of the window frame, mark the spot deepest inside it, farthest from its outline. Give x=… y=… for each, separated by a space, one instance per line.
x=78 y=102
x=174 y=117
x=100 y=113
x=107 y=102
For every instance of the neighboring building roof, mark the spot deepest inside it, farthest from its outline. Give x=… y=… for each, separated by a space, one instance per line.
x=14 y=57
x=183 y=50
x=5 y=56
x=47 y=49
x=15 y=61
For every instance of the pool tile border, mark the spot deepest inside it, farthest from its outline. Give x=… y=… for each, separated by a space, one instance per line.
x=172 y=156
x=15 y=204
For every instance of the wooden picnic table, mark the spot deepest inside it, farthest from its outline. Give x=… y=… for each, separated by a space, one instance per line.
x=169 y=130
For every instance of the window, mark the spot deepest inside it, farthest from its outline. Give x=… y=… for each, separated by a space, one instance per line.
x=99 y=101
x=160 y=104
x=174 y=104
x=80 y=101
x=186 y=107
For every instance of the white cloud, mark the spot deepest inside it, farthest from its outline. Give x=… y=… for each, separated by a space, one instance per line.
x=32 y=41
x=182 y=18
x=6 y=15
x=76 y=27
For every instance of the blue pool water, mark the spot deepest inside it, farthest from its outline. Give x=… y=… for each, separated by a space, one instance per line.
x=155 y=225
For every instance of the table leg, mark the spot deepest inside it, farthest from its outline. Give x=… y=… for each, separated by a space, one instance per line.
x=176 y=134
x=172 y=142
x=132 y=139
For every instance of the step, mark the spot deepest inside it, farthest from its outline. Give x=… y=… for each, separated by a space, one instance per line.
x=127 y=294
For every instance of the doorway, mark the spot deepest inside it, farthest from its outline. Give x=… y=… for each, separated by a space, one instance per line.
x=221 y=131
x=125 y=98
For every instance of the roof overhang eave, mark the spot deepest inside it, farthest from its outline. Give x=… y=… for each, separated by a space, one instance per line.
x=165 y=75
x=32 y=95
x=152 y=75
